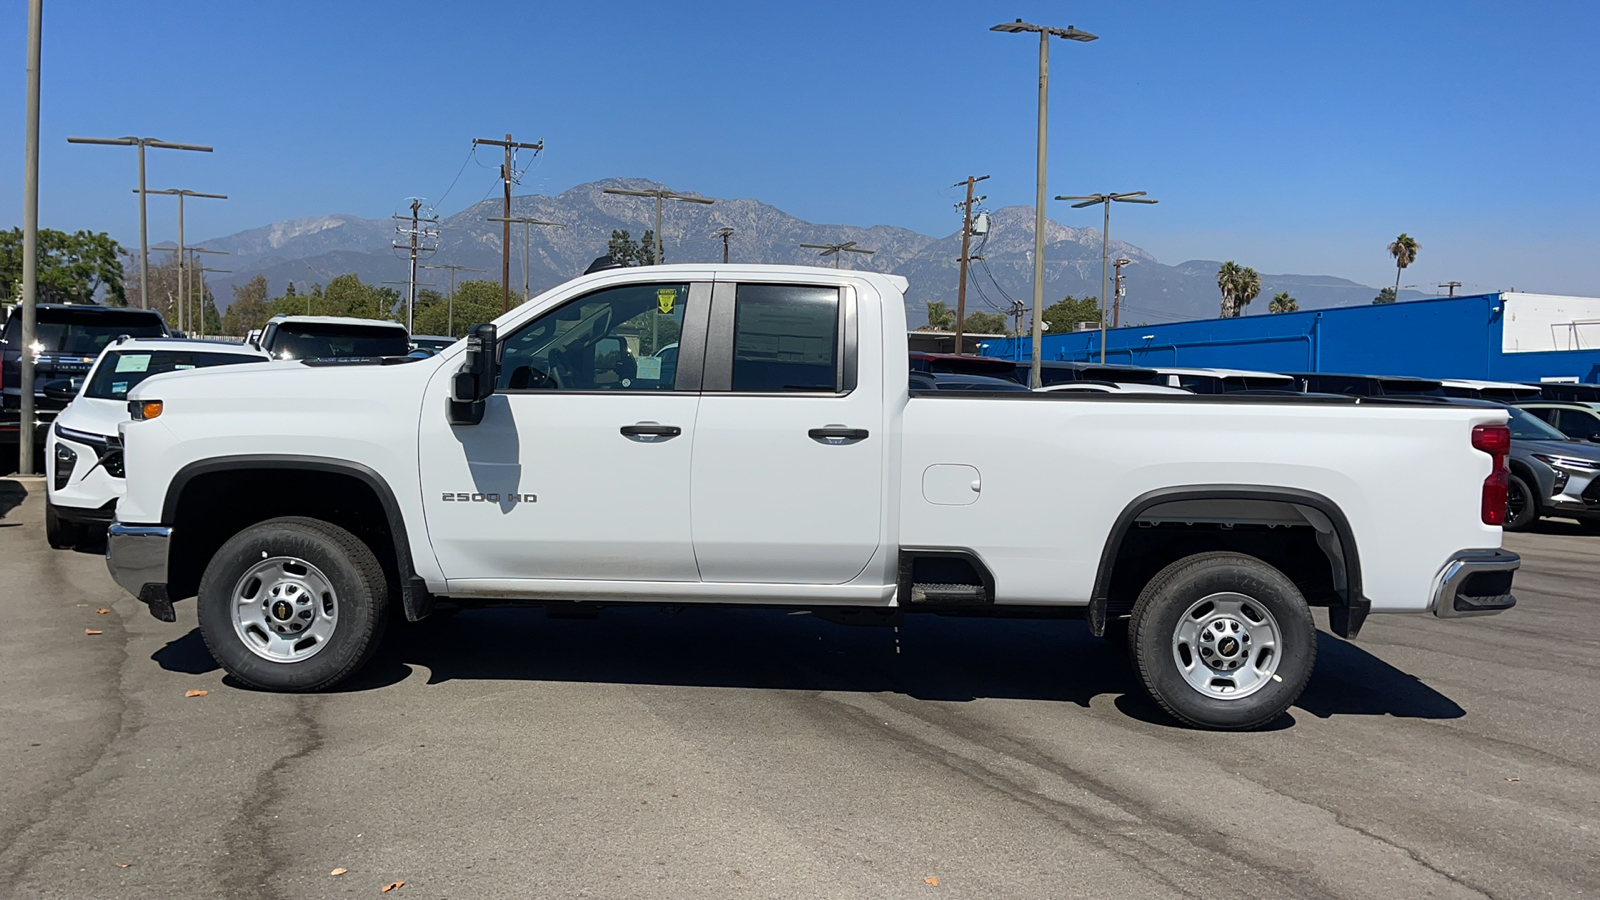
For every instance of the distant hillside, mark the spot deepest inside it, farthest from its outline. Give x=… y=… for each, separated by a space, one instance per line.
x=324 y=246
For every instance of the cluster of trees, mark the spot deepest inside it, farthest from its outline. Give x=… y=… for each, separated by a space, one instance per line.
x=1239 y=285
x=1062 y=316
x=346 y=295
x=73 y=268
x=625 y=251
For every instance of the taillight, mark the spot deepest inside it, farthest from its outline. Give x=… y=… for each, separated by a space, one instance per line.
x=1494 y=440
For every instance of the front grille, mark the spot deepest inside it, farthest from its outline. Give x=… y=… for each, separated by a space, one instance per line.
x=112 y=460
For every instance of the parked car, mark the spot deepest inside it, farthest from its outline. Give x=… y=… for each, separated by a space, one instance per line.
x=1578 y=421
x=1064 y=372
x=1568 y=392
x=1110 y=387
x=1225 y=381
x=1498 y=391
x=332 y=337
x=67 y=339
x=1368 y=385
x=960 y=364
x=954 y=381
x=789 y=465
x=83 y=453
x=1551 y=475
x=432 y=343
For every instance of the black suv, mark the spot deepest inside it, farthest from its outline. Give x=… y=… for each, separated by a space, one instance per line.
x=67 y=340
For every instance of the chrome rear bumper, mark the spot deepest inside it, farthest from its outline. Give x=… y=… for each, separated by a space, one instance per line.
x=1476 y=583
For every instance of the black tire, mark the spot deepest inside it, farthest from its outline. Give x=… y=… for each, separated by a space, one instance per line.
x=1172 y=592
x=58 y=532
x=1522 y=505
x=358 y=582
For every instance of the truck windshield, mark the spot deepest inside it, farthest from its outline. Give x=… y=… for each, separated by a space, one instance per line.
x=121 y=370
x=314 y=340
x=83 y=333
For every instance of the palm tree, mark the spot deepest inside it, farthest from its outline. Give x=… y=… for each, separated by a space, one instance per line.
x=1282 y=303
x=1404 y=250
x=1239 y=285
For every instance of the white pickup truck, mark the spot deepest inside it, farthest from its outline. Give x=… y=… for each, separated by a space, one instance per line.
x=746 y=435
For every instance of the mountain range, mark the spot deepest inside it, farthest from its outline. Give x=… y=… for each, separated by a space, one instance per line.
x=318 y=248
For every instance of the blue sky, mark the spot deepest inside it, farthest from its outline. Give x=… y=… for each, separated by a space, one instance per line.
x=1292 y=137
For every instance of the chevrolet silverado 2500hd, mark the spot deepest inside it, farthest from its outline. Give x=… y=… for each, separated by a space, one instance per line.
x=557 y=457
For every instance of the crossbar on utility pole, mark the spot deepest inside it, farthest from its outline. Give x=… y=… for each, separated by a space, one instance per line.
x=527 y=243
x=724 y=232
x=660 y=195
x=505 y=237
x=144 y=240
x=417 y=233
x=966 y=244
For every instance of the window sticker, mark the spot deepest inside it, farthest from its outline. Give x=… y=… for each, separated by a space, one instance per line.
x=127 y=362
x=649 y=368
x=179 y=367
x=119 y=387
x=665 y=298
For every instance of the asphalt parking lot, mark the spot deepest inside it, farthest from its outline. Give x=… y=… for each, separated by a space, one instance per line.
x=763 y=754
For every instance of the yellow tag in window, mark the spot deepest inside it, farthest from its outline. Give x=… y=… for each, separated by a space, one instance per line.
x=665 y=298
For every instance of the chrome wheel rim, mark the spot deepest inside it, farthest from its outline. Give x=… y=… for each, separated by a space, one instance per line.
x=284 y=609
x=1227 y=646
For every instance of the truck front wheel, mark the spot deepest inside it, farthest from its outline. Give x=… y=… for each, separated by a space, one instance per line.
x=1223 y=640
x=292 y=604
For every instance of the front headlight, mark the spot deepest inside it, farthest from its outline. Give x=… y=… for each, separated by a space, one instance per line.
x=66 y=460
x=1577 y=466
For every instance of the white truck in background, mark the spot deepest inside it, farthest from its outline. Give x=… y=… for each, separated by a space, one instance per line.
x=558 y=458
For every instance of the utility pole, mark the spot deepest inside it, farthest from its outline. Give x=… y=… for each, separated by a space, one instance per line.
x=838 y=250
x=423 y=228
x=1116 y=295
x=660 y=195
x=505 y=237
x=30 y=240
x=966 y=243
x=144 y=241
x=308 y=289
x=1072 y=34
x=527 y=243
x=724 y=232
x=450 y=311
x=195 y=266
x=1452 y=285
x=181 y=193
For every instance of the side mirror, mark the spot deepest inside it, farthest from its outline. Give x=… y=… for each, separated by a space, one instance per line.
x=476 y=380
x=61 y=389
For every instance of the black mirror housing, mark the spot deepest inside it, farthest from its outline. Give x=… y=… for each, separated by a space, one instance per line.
x=472 y=385
x=60 y=389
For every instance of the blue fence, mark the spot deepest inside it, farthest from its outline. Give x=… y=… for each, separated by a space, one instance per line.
x=1448 y=337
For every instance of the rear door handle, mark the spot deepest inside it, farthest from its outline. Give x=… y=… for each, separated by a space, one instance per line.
x=649 y=430
x=835 y=434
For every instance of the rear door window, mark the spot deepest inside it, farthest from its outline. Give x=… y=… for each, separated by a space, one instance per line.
x=786 y=339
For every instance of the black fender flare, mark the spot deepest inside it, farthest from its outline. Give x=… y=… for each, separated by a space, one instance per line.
x=1345 y=619
x=415 y=598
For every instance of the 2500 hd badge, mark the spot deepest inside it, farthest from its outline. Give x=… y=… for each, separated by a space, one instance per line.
x=489 y=498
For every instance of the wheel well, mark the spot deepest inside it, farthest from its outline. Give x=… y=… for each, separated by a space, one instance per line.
x=213 y=506
x=1300 y=541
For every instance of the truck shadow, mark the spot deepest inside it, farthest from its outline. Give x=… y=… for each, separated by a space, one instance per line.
x=12 y=493
x=928 y=658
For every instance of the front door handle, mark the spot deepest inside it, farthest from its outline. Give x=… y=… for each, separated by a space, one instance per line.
x=837 y=434
x=651 y=431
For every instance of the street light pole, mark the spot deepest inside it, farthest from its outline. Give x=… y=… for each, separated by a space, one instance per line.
x=527 y=243
x=660 y=195
x=196 y=265
x=1071 y=34
x=30 y=241
x=837 y=251
x=1105 y=244
x=180 y=193
x=144 y=243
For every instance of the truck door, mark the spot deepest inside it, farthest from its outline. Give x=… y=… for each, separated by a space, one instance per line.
x=789 y=444
x=580 y=467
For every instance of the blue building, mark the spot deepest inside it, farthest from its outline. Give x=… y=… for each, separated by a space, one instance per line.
x=1493 y=337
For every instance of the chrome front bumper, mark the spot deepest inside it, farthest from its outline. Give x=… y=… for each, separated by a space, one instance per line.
x=136 y=555
x=1476 y=583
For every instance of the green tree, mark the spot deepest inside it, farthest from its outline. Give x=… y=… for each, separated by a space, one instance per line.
x=984 y=323
x=1404 y=250
x=289 y=291
x=1064 y=315
x=73 y=268
x=1384 y=296
x=1239 y=285
x=248 y=311
x=1282 y=303
x=940 y=316
x=625 y=251
x=475 y=302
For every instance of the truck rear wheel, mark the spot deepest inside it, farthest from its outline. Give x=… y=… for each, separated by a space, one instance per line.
x=1223 y=640
x=292 y=604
